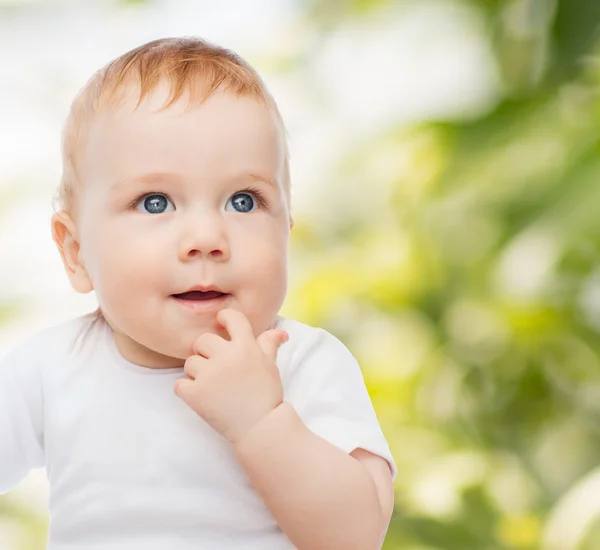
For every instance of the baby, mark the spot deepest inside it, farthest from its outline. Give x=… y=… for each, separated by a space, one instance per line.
x=186 y=413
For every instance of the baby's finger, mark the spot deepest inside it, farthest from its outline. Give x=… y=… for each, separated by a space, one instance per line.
x=184 y=389
x=235 y=323
x=193 y=366
x=271 y=340
x=207 y=344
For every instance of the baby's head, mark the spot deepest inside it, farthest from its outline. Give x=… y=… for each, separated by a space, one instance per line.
x=175 y=175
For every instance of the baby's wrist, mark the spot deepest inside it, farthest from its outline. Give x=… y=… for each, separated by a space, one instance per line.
x=277 y=421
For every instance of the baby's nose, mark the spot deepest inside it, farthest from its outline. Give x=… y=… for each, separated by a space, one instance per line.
x=205 y=238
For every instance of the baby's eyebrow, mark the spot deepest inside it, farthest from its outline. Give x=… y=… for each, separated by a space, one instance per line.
x=154 y=178
x=151 y=178
x=260 y=178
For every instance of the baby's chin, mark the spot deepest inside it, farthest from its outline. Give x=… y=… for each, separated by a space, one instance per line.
x=172 y=343
x=186 y=349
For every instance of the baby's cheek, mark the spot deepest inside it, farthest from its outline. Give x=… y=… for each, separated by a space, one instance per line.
x=267 y=300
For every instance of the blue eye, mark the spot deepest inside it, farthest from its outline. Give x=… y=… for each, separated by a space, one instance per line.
x=242 y=202
x=154 y=204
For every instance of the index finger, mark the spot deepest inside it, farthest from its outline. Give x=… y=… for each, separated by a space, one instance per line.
x=235 y=323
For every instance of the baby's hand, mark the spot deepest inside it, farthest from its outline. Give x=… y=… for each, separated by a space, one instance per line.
x=233 y=384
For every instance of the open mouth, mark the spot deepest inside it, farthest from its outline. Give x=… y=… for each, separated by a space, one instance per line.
x=199 y=301
x=199 y=295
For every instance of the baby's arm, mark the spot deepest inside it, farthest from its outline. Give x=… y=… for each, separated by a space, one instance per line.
x=321 y=497
x=315 y=456
x=21 y=441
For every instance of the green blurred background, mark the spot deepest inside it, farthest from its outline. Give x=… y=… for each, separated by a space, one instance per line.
x=457 y=254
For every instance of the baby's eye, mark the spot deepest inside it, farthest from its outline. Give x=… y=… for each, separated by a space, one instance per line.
x=154 y=203
x=242 y=202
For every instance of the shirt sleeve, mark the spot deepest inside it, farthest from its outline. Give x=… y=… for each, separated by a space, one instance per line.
x=21 y=439
x=327 y=389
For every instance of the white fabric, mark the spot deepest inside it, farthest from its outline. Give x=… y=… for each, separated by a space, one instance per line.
x=131 y=466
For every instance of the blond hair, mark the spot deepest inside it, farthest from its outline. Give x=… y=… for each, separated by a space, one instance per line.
x=190 y=64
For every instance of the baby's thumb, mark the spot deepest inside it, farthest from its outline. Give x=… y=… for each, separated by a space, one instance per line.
x=270 y=341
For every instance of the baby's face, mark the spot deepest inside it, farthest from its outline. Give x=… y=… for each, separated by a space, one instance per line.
x=177 y=199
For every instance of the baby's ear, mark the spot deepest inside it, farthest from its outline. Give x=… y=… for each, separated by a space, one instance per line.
x=64 y=235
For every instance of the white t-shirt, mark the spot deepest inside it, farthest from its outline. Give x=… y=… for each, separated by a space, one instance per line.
x=131 y=466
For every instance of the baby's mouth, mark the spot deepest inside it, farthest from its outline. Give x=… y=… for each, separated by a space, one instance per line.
x=199 y=295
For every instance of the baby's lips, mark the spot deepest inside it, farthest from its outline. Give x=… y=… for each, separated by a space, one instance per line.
x=199 y=295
